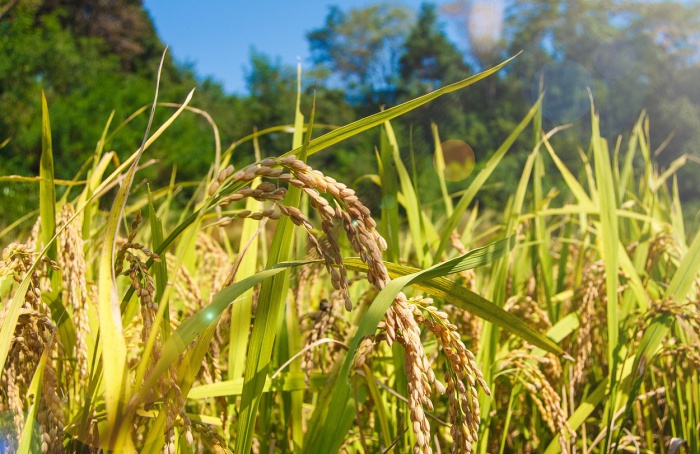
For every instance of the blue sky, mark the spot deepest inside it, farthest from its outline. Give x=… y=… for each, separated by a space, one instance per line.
x=217 y=35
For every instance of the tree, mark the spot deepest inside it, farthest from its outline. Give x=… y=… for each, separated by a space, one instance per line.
x=428 y=62
x=122 y=25
x=482 y=26
x=272 y=88
x=638 y=56
x=362 y=48
x=429 y=59
x=85 y=79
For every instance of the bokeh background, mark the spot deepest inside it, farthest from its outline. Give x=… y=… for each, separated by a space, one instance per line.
x=97 y=58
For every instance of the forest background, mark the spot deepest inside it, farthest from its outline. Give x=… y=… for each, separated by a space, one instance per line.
x=93 y=57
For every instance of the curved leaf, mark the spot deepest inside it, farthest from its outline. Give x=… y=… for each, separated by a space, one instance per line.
x=188 y=331
x=330 y=434
x=354 y=128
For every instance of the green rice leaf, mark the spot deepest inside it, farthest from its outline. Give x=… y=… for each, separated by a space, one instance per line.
x=432 y=282
x=289 y=381
x=440 y=168
x=290 y=325
x=390 y=203
x=410 y=197
x=47 y=190
x=241 y=312
x=193 y=326
x=678 y=289
x=161 y=267
x=11 y=316
x=330 y=434
x=481 y=178
x=30 y=432
x=609 y=235
x=342 y=133
x=627 y=167
x=379 y=407
x=111 y=331
x=669 y=172
x=571 y=181
x=677 y=213
x=272 y=299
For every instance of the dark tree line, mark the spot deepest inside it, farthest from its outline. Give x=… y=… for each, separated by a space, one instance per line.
x=95 y=56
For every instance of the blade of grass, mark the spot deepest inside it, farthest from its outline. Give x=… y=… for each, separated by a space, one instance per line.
x=478 y=305
x=379 y=407
x=440 y=168
x=272 y=298
x=114 y=355
x=47 y=190
x=342 y=133
x=331 y=433
x=574 y=186
x=87 y=198
x=676 y=214
x=608 y=233
x=489 y=341
x=410 y=196
x=679 y=288
x=390 y=204
x=609 y=241
x=627 y=167
x=160 y=267
x=670 y=171
x=47 y=211
x=242 y=311
x=30 y=432
x=481 y=178
x=287 y=381
x=542 y=263
x=294 y=400
x=193 y=326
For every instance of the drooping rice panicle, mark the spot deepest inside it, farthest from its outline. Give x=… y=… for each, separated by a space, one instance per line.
x=71 y=259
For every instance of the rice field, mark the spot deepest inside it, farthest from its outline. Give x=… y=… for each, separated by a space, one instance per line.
x=277 y=313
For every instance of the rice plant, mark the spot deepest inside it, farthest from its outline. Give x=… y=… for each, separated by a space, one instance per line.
x=276 y=312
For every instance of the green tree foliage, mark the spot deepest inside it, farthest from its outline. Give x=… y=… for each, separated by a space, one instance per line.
x=429 y=59
x=123 y=26
x=363 y=47
x=94 y=56
x=481 y=29
x=475 y=116
x=87 y=73
x=272 y=88
x=638 y=55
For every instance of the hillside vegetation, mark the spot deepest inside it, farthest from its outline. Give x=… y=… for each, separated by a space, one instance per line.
x=349 y=286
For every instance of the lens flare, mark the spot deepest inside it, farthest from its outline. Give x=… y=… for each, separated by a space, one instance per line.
x=565 y=85
x=459 y=160
x=615 y=59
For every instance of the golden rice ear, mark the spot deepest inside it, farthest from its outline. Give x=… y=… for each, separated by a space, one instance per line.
x=540 y=390
x=401 y=326
x=462 y=379
x=356 y=218
x=34 y=346
x=71 y=258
